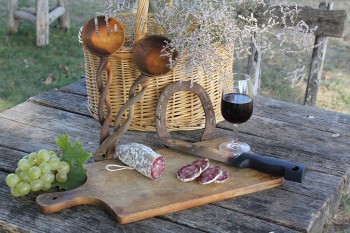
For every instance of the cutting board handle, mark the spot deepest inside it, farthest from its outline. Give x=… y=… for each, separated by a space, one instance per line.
x=53 y=202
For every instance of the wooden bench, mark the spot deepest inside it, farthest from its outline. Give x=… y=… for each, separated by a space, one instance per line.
x=329 y=23
x=42 y=16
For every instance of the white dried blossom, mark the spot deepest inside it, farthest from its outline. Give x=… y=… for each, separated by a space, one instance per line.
x=296 y=76
x=113 y=7
x=197 y=28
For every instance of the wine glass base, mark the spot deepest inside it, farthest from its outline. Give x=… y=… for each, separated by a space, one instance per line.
x=236 y=148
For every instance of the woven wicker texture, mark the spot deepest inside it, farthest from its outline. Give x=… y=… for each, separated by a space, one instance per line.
x=184 y=111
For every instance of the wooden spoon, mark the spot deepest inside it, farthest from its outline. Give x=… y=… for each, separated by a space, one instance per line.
x=102 y=38
x=148 y=59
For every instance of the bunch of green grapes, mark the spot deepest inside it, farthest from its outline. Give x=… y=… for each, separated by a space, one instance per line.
x=37 y=171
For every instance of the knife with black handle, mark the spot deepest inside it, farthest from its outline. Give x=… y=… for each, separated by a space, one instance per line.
x=277 y=167
x=289 y=170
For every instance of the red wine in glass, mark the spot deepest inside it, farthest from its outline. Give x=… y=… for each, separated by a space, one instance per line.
x=237 y=108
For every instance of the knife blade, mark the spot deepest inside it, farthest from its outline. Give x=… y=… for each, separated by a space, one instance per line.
x=289 y=170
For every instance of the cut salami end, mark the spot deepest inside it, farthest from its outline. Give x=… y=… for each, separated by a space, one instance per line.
x=203 y=163
x=224 y=176
x=158 y=167
x=189 y=172
x=142 y=158
x=210 y=175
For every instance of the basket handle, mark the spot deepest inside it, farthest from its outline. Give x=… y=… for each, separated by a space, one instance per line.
x=141 y=20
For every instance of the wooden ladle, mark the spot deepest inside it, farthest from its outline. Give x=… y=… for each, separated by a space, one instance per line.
x=148 y=59
x=102 y=38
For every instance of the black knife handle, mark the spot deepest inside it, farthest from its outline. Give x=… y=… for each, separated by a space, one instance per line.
x=289 y=170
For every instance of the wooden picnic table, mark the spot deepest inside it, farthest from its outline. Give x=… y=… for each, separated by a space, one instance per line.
x=318 y=138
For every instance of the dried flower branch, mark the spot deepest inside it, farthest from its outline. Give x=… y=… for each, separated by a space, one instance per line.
x=204 y=25
x=198 y=28
x=113 y=7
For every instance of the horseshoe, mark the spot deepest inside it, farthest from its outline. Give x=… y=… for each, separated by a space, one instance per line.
x=160 y=120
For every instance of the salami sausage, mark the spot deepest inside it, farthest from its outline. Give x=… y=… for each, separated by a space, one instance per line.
x=142 y=158
x=189 y=172
x=210 y=175
x=224 y=176
x=203 y=163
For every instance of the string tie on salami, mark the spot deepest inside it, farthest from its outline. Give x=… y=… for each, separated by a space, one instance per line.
x=139 y=157
x=117 y=167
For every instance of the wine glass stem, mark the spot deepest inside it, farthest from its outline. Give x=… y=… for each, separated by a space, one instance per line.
x=235 y=133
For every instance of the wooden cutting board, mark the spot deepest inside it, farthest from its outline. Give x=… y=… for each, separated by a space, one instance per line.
x=130 y=196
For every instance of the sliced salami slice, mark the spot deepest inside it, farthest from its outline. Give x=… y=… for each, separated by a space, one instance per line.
x=142 y=158
x=210 y=175
x=203 y=163
x=224 y=176
x=189 y=172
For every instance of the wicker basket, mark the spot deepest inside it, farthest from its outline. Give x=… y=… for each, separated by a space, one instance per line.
x=184 y=111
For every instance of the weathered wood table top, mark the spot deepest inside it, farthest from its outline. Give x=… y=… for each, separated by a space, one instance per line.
x=318 y=138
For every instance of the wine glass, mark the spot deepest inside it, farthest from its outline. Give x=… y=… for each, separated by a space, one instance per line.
x=237 y=108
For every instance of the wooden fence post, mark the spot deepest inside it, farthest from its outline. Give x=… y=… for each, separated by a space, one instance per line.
x=42 y=22
x=253 y=68
x=316 y=66
x=64 y=19
x=12 y=22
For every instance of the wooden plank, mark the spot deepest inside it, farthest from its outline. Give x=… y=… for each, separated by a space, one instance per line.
x=22 y=215
x=316 y=157
x=9 y=159
x=281 y=207
x=277 y=207
x=28 y=138
x=56 y=13
x=25 y=16
x=52 y=119
x=215 y=219
x=78 y=87
x=296 y=135
x=321 y=186
x=306 y=116
x=64 y=101
x=329 y=23
x=288 y=112
x=30 y=10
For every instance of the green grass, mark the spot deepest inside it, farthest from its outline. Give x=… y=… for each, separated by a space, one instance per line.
x=24 y=67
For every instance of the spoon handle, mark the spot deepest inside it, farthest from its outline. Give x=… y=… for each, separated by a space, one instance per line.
x=104 y=97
